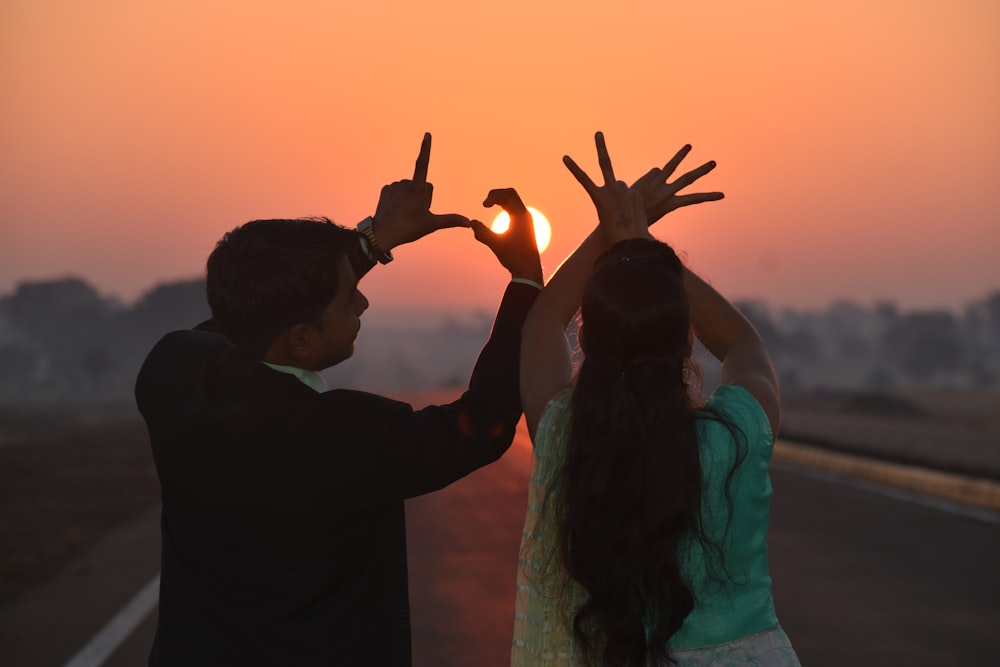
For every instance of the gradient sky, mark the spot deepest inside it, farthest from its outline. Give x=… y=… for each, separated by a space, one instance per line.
x=858 y=142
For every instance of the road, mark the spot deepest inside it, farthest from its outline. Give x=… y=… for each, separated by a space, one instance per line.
x=859 y=578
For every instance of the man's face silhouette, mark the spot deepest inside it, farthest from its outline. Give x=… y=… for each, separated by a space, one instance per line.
x=340 y=322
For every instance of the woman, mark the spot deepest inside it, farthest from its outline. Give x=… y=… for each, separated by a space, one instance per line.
x=645 y=541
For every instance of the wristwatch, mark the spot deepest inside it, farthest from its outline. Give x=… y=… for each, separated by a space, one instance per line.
x=375 y=250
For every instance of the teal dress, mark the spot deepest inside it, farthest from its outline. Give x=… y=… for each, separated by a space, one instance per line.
x=733 y=621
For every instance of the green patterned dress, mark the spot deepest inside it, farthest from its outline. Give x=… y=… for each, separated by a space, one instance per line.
x=733 y=622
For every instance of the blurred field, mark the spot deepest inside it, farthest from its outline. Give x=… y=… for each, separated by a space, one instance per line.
x=953 y=431
x=978 y=409
x=67 y=475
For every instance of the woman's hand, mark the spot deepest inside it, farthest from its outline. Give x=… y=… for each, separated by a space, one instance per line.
x=659 y=197
x=620 y=209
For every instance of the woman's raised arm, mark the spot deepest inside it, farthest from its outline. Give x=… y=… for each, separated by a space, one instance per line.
x=623 y=212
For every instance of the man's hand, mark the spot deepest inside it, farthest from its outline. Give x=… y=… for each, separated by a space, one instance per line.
x=403 y=213
x=516 y=248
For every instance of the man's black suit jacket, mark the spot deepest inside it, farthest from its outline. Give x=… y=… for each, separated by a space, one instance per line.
x=284 y=539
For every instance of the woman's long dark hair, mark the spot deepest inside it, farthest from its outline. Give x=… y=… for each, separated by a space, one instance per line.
x=629 y=491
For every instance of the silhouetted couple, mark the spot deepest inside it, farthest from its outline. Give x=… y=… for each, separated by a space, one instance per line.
x=283 y=522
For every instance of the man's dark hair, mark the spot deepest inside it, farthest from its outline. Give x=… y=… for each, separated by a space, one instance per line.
x=267 y=275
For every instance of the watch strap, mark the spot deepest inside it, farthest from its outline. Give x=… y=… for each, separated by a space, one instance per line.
x=375 y=251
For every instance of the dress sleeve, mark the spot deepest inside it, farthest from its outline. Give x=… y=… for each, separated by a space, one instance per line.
x=554 y=422
x=742 y=409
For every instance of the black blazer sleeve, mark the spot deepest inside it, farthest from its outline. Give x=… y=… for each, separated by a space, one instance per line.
x=415 y=452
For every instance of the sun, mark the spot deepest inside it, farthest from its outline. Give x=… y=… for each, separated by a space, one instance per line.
x=543 y=230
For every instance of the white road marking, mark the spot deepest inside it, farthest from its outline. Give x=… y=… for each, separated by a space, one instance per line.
x=104 y=644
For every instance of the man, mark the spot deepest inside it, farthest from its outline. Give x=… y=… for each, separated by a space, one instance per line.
x=283 y=524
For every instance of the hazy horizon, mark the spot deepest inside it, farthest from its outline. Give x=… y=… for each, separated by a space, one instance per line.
x=846 y=346
x=427 y=312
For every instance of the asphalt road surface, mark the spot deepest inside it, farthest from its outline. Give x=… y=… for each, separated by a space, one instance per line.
x=860 y=578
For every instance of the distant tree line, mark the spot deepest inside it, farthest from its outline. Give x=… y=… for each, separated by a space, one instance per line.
x=848 y=346
x=61 y=340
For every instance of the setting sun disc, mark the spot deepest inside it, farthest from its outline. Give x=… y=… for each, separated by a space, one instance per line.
x=543 y=230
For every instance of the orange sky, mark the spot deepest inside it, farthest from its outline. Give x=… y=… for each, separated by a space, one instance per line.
x=857 y=141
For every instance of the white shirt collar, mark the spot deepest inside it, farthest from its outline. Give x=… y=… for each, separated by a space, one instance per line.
x=311 y=379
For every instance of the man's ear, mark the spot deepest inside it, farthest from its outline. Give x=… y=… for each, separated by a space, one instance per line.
x=298 y=345
x=303 y=342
